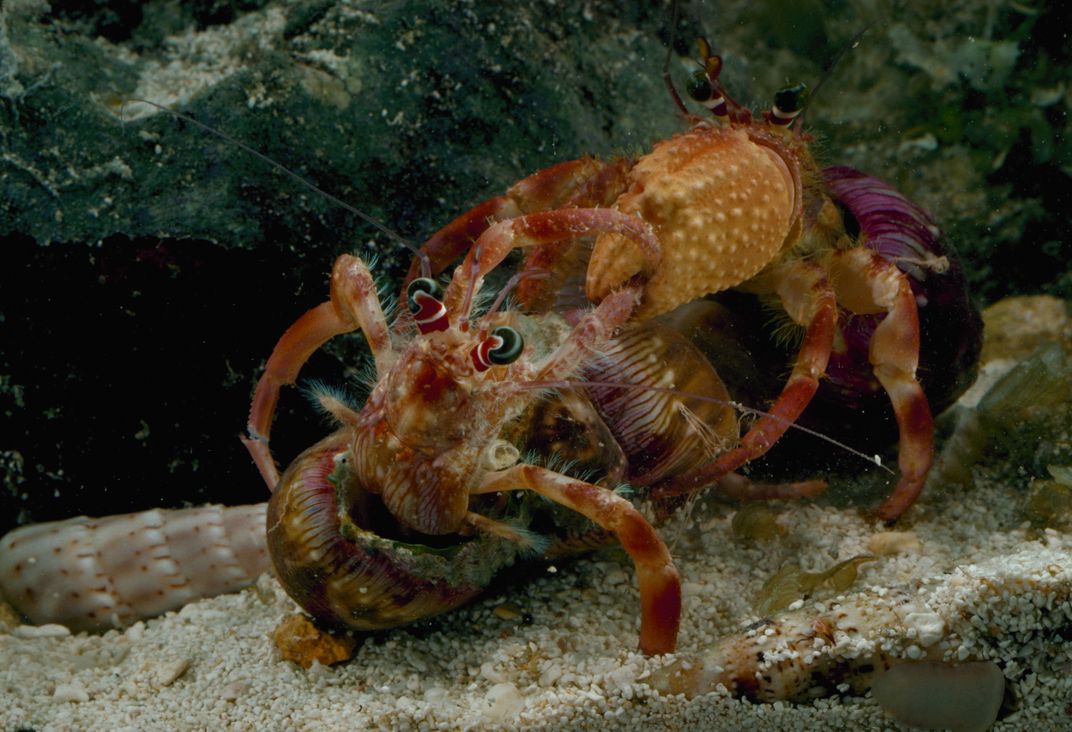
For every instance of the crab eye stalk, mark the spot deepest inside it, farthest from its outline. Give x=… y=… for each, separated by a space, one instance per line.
x=699 y=87
x=426 y=285
x=704 y=86
x=704 y=91
x=788 y=103
x=502 y=347
x=711 y=62
x=425 y=298
x=510 y=346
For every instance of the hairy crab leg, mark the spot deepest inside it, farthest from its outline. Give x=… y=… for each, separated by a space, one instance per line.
x=809 y=300
x=353 y=305
x=575 y=183
x=660 y=584
x=866 y=282
x=537 y=228
x=741 y=488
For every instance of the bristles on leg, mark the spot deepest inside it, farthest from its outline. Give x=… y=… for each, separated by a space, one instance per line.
x=332 y=401
x=529 y=542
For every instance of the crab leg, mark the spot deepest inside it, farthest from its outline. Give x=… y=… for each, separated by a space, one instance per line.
x=740 y=488
x=809 y=300
x=660 y=585
x=540 y=228
x=353 y=305
x=545 y=189
x=867 y=283
x=580 y=183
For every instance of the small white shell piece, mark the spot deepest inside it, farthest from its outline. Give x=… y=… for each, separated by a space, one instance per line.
x=90 y=574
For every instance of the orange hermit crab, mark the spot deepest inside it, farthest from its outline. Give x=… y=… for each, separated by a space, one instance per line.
x=737 y=203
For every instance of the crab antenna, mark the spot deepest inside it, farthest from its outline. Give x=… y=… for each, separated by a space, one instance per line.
x=741 y=408
x=666 y=62
x=853 y=43
x=470 y=291
x=511 y=283
x=426 y=267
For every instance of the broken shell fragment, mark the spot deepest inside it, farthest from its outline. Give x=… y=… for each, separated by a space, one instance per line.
x=961 y=697
x=886 y=543
x=301 y=642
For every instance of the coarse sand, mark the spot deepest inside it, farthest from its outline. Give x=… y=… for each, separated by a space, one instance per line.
x=992 y=587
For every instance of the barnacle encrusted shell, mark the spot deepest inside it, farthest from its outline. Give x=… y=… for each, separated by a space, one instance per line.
x=722 y=202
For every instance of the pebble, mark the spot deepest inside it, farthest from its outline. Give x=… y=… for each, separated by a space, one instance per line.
x=72 y=692
x=168 y=673
x=504 y=702
x=50 y=630
x=233 y=690
x=894 y=542
x=962 y=697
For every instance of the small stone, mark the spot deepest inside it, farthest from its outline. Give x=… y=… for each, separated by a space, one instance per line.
x=961 y=697
x=8 y=617
x=489 y=672
x=300 y=641
x=50 y=630
x=894 y=542
x=929 y=627
x=72 y=692
x=508 y=611
x=170 y=672
x=504 y=702
x=233 y=690
x=1016 y=326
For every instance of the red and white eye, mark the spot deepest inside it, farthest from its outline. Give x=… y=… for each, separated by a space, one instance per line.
x=788 y=104
x=425 y=298
x=502 y=347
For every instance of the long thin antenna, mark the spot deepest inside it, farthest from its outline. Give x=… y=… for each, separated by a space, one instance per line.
x=666 y=62
x=853 y=43
x=741 y=408
x=426 y=266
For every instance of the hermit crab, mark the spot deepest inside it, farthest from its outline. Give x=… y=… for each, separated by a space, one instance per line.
x=740 y=204
x=736 y=204
x=424 y=493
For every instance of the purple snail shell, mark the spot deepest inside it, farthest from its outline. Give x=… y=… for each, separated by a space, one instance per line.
x=950 y=326
x=850 y=404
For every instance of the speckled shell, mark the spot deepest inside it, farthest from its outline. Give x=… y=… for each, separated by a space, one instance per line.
x=793 y=656
x=91 y=574
x=724 y=203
